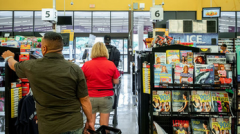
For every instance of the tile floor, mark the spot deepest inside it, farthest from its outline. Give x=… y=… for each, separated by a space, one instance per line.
x=127 y=119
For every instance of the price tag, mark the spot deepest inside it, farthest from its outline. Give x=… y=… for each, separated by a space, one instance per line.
x=156 y=12
x=49 y=14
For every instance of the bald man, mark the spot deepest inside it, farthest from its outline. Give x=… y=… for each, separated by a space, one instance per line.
x=59 y=88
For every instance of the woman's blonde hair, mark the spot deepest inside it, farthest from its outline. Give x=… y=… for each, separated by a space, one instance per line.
x=99 y=50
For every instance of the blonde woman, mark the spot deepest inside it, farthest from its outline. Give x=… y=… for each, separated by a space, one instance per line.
x=101 y=74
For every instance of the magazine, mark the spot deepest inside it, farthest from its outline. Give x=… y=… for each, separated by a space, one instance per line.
x=160 y=58
x=200 y=126
x=162 y=101
x=184 y=56
x=216 y=102
x=180 y=101
x=225 y=73
x=181 y=127
x=204 y=74
x=190 y=57
x=2 y=101
x=201 y=101
x=183 y=73
x=2 y=123
x=162 y=74
x=199 y=58
x=220 y=125
x=221 y=59
x=157 y=129
x=224 y=101
x=173 y=57
x=220 y=101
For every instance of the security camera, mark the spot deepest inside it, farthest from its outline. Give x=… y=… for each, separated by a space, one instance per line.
x=71 y=3
x=162 y=3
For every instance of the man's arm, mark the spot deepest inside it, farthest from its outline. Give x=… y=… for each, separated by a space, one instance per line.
x=87 y=109
x=10 y=58
x=11 y=63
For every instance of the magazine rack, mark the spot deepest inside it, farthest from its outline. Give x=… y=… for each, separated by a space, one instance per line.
x=164 y=119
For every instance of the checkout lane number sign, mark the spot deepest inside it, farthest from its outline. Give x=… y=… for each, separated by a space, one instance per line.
x=156 y=12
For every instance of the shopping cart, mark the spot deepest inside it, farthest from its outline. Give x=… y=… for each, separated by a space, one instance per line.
x=105 y=130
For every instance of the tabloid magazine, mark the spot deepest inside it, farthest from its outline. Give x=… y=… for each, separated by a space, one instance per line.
x=173 y=57
x=181 y=127
x=190 y=57
x=201 y=101
x=204 y=74
x=180 y=101
x=200 y=126
x=162 y=74
x=199 y=58
x=183 y=74
x=160 y=58
x=225 y=73
x=161 y=101
x=220 y=101
x=220 y=59
x=220 y=126
x=184 y=56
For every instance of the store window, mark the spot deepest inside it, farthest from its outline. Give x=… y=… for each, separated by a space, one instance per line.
x=101 y=22
x=227 y=22
x=238 y=21
x=119 y=22
x=82 y=22
x=81 y=43
x=39 y=25
x=23 y=21
x=6 y=21
x=142 y=18
x=68 y=13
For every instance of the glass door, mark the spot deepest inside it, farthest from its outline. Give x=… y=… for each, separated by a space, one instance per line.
x=122 y=46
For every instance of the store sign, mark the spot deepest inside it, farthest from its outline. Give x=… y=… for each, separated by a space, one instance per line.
x=199 y=39
x=156 y=12
x=49 y=14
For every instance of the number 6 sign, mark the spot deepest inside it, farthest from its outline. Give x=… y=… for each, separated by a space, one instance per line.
x=156 y=13
x=49 y=14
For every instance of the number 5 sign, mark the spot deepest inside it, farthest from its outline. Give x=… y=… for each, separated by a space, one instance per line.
x=156 y=12
x=49 y=14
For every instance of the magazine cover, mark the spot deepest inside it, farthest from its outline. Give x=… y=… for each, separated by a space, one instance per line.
x=184 y=56
x=204 y=74
x=2 y=101
x=220 y=59
x=216 y=102
x=173 y=57
x=181 y=127
x=162 y=101
x=157 y=129
x=160 y=58
x=2 y=123
x=183 y=74
x=200 y=126
x=220 y=125
x=216 y=76
x=224 y=101
x=225 y=73
x=199 y=58
x=190 y=57
x=162 y=74
x=180 y=101
x=201 y=101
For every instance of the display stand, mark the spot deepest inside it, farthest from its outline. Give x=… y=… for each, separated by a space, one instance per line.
x=164 y=119
x=10 y=76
